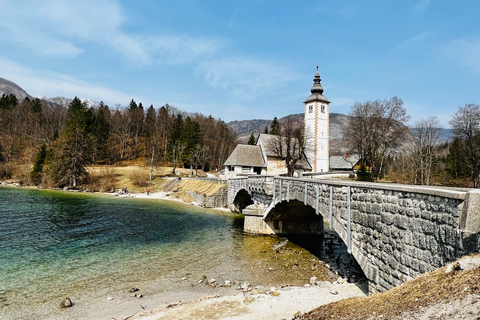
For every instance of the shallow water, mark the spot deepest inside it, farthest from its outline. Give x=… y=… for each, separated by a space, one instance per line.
x=56 y=244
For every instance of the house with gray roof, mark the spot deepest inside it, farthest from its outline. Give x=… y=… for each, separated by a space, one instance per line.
x=245 y=159
x=262 y=158
x=344 y=163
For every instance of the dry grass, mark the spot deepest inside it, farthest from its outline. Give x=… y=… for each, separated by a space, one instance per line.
x=200 y=186
x=134 y=177
x=102 y=179
x=426 y=290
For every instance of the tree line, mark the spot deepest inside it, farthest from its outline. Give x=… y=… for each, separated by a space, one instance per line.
x=378 y=133
x=59 y=137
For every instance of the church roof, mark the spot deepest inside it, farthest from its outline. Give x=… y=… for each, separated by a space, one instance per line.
x=270 y=145
x=317 y=90
x=346 y=162
x=247 y=156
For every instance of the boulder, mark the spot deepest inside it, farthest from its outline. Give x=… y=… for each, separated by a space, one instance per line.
x=66 y=303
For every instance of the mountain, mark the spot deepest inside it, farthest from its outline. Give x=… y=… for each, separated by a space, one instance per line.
x=8 y=87
x=338 y=126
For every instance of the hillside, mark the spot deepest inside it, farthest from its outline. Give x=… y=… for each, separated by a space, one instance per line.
x=8 y=87
x=338 y=128
x=450 y=292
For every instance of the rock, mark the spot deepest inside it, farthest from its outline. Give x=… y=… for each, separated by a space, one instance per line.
x=66 y=303
x=313 y=280
x=133 y=290
x=245 y=285
x=271 y=269
x=334 y=292
x=469 y=263
x=323 y=284
x=109 y=298
x=227 y=283
x=307 y=285
x=275 y=293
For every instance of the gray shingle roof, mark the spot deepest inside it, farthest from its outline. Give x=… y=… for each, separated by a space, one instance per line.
x=317 y=90
x=246 y=155
x=269 y=142
x=340 y=163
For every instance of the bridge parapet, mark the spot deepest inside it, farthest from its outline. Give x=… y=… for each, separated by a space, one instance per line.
x=395 y=232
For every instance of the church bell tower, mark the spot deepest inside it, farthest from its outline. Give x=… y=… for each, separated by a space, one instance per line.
x=317 y=127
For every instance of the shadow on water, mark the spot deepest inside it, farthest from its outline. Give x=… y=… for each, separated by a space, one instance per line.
x=331 y=249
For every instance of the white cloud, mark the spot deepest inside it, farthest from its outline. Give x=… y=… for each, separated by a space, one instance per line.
x=51 y=84
x=244 y=77
x=181 y=49
x=415 y=42
x=421 y=6
x=464 y=52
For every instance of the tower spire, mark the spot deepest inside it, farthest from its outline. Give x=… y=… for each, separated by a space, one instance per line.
x=316 y=90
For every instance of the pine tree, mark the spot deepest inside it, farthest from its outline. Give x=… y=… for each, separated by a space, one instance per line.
x=363 y=174
x=100 y=130
x=176 y=146
x=275 y=127
x=37 y=171
x=251 y=140
x=266 y=130
x=74 y=148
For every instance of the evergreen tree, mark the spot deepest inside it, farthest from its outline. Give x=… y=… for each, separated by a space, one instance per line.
x=176 y=146
x=363 y=174
x=37 y=171
x=275 y=127
x=251 y=140
x=133 y=105
x=100 y=130
x=266 y=130
x=456 y=161
x=191 y=136
x=74 y=148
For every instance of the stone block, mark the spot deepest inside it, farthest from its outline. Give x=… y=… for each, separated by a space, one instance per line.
x=401 y=222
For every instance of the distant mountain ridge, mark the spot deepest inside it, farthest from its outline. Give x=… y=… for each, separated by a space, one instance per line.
x=243 y=128
x=338 y=129
x=8 y=87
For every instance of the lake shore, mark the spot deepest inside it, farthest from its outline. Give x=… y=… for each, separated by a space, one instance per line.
x=199 y=301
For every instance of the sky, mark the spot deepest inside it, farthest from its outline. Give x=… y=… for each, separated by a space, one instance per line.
x=241 y=60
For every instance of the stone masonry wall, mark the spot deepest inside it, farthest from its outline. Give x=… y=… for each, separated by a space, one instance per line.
x=218 y=200
x=397 y=232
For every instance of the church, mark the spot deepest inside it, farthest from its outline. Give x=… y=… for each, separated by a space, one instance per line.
x=261 y=159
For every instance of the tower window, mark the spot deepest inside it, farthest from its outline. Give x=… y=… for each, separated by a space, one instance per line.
x=310 y=109
x=323 y=109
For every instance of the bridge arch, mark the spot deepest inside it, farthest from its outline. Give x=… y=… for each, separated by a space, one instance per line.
x=242 y=200
x=394 y=232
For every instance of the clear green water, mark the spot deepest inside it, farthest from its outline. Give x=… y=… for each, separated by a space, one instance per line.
x=55 y=244
x=88 y=247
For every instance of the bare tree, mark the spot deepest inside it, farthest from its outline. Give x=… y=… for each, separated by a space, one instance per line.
x=290 y=144
x=426 y=133
x=375 y=128
x=466 y=126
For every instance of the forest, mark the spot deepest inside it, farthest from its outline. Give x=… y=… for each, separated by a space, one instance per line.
x=50 y=142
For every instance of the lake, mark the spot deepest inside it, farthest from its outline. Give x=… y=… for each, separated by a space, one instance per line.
x=55 y=244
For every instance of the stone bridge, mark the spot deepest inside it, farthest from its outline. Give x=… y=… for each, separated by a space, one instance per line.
x=395 y=232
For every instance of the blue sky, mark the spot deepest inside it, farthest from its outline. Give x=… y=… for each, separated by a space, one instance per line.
x=241 y=60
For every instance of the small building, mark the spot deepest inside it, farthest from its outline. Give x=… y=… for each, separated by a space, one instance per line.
x=276 y=163
x=245 y=159
x=262 y=158
x=347 y=162
x=344 y=163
